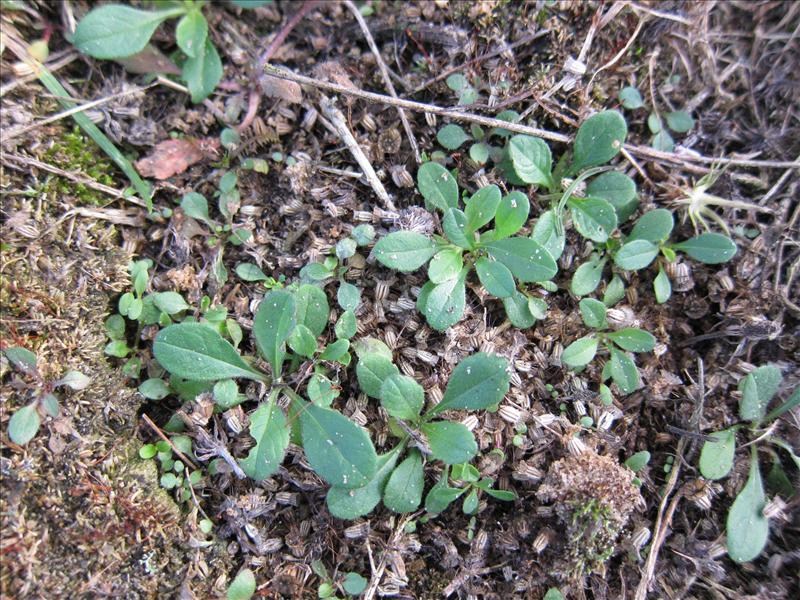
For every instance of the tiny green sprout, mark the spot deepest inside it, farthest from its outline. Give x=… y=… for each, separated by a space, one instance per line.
x=243 y=586
x=699 y=205
x=747 y=526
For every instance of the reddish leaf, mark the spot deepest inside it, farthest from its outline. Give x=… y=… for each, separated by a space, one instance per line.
x=171 y=157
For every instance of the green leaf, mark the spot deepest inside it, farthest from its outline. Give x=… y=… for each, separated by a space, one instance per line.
x=633 y=339
x=512 y=213
x=22 y=358
x=549 y=232
x=345 y=503
x=594 y=218
x=336 y=351
x=249 y=4
x=445 y=265
x=271 y=431
x=250 y=272
x=191 y=33
x=445 y=303
x=716 y=458
x=368 y=346
x=437 y=186
x=74 y=380
x=794 y=400
x=441 y=495
x=24 y=424
x=195 y=205
x=455 y=228
x=354 y=584
x=598 y=140
x=311 y=308
x=615 y=291
x=679 y=121
x=403 y=492
x=495 y=277
x=482 y=207
x=243 y=586
x=315 y=272
x=457 y=82
x=452 y=136
x=504 y=495
x=154 y=389
x=553 y=594
x=635 y=255
x=302 y=341
x=226 y=394
x=479 y=153
x=593 y=313
x=630 y=98
x=747 y=527
x=537 y=307
x=653 y=226
x=518 y=310
x=321 y=390
x=531 y=160
x=587 y=276
x=197 y=352
x=654 y=123
x=618 y=190
x=525 y=258
x=345 y=248
x=470 y=504
x=372 y=370
x=757 y=390
x=339 y=451
x=202 y=72
x=404 y=251
x=348 y=296
x=638 y=461
x=170 y=302
x=478 y=382
x=580 y=352
x=662 y=141
x=662 y=286
x=346 y=326
x=451 y=443
x=272 y=325
x=709 y=248
x=402 y=397
x=116 y=31
x=363 y=234
x=624 y=371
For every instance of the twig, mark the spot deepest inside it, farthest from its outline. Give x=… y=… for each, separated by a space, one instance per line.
x=194 y=496
x=377 y=574
x=386 y=79
x=75 y=109
x=255 y=95
x=619 y=55
x=519 y=128
x=339 y=124
x=90 y=183
x=157 y=429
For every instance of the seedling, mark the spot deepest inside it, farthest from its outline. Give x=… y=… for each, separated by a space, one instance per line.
x=748 y=519
x=621 y=367
x=352 y=584
x=243 y=586
x=114 y=31
x=502 y=262
x=481 y=150
x=173 y=470
x=469 y=484
x=678 y=121
x=25 y=422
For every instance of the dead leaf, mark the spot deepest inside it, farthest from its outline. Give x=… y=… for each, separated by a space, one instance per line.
x=281 y=88
x=171 y=157
x=149 y=60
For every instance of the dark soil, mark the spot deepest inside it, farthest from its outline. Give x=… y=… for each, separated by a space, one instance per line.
x=83 y=516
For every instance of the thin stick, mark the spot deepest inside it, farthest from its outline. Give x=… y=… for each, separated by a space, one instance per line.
x=377 y=573
x=157 y=429
x=75 y=109
x=519 y=128
x=339 y=124
x=385 y=74
x=194 y=496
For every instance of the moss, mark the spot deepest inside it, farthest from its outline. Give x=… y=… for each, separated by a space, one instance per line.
x=75 y=153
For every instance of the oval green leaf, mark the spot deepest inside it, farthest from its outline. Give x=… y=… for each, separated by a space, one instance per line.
x=709 y=248
x=273 y=323
x=580 y=352
x=402 y=397
x=594 y=218
x=495 y=277
x=531 y=160
x=116 y=31
x=526 y=259
x=482 y=207
x=746 y=526
x=23 y=424
x=512 y=213
x=598 y=140
x=653 y=226
x=635 y=255
x=478 y=382
x=446 y=264
x=311 y=308
x=633 y=339
x=451 y=443
x=270 y=429
x=345 y=503
x=444 y=303
x=452 y=136
x=618 y=190
x=404 y=251
x=716 y=458
x=437 y=186
x=403 y=492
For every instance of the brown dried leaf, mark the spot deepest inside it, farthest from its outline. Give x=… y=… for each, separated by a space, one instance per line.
x=281 y=88
x=171 y=157
x=149 y=60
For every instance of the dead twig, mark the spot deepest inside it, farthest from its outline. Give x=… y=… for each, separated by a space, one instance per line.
x=385 y=74
x=377 y=572
x=339 y=124
x=642 y=151
x=186 y=460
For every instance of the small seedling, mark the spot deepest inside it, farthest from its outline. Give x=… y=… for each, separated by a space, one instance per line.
x=243 y=586
x=678 y=121
x=748 y=525
x=173 y=470
x=469 y=484
x=115 y=31
x=25 y=422
x=621 y=367
x=501 y=261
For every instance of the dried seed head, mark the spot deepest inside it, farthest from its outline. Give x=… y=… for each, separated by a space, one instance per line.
x=541 y=541
x=575 y=445
x=775 y=509
x=368 y=122
x=640 y=537
x=286 y=498
x=401 y=177
x=525 y=472
x=309 y=119
x=470 y=422
x=430 y=119
x=357 y=531
x=681 y=276
x=545 y=419
x=511 y=414
x=482 y=181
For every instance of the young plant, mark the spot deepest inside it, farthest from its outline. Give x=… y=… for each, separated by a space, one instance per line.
x=352 y=584
x=115 y=31
x=174 y=473
x=621 y=367
x=25 y=422
x=469 y=484
x=481 y=150
x=748 y=519
x=678 y=121
x=478 y=382
x=501 y=261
